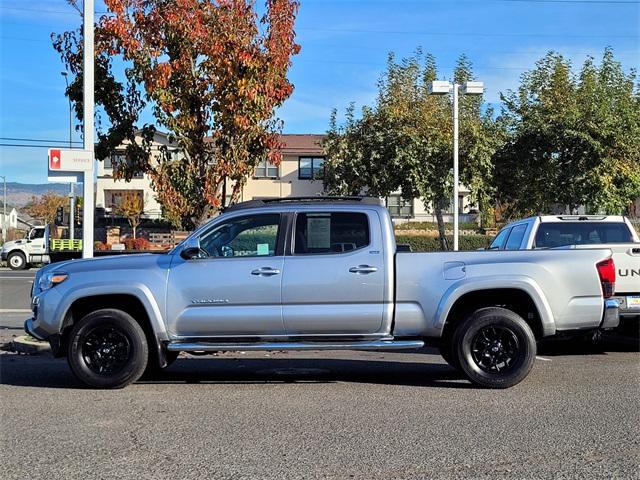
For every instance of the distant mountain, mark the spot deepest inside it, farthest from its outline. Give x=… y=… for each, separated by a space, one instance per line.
x=19 y=194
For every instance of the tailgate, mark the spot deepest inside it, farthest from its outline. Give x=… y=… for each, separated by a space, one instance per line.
x=627 y=260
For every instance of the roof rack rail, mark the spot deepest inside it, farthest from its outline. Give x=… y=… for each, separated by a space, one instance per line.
x=317 y=199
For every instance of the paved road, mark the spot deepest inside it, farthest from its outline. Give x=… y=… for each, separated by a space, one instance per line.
x=331 y=415
x=363 y=415
x=14 y=301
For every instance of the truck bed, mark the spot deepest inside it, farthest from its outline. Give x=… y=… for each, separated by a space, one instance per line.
x=565 y=284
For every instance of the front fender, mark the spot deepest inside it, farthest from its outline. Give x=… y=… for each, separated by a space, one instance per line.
x=475 y=284
x=138 y=290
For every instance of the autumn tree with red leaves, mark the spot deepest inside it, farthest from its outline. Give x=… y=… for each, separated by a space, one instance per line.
x=212 y=71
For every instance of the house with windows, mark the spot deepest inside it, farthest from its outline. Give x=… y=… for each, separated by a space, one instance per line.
x=299 y=174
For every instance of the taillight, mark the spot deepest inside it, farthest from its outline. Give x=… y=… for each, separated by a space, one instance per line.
x=607 y=274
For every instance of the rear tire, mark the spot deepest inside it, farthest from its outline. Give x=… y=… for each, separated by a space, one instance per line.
x=107 y=349
x=17 y=261
x=495 y=347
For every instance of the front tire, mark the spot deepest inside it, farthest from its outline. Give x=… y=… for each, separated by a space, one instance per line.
x=495 y=347
x=107 y=349
x=17 y=261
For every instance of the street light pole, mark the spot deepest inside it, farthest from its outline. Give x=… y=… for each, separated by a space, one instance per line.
x=72 y=195
x=455 y=167
x=440 y=87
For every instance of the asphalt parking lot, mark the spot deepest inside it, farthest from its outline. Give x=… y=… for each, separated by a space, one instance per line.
x=364 y=415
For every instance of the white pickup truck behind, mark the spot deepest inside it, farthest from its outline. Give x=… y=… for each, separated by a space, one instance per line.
x=584 y=232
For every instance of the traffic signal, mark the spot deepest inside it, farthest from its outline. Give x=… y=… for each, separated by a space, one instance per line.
x=77 y=217
x=59 y=216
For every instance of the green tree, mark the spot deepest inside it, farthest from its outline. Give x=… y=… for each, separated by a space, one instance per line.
x=131 y=207
x=404 y=141
x=573 y=139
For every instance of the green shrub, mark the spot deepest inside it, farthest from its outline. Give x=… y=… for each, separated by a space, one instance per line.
x=434 y=226
x=419 y=243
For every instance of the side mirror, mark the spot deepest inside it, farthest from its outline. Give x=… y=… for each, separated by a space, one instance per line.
x=191 y=248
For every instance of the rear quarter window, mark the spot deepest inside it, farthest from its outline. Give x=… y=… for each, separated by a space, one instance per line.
x=498 y=241
x=558 y=234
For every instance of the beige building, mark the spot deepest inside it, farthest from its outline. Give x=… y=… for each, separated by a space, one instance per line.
x=299 y=175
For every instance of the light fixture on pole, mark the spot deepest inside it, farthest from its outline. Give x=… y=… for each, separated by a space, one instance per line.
x=443 y=87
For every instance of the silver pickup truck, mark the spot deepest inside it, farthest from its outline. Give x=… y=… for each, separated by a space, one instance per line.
x=315 y=274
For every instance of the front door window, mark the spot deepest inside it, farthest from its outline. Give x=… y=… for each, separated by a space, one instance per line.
x=254 y=236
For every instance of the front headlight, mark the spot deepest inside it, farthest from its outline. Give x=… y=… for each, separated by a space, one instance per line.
x=51 y=279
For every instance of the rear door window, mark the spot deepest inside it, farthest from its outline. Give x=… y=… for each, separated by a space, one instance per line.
x=558 y=234
x=516 y=236
x=330 y=232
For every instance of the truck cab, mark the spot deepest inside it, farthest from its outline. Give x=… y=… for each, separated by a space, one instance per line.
x=21 y=254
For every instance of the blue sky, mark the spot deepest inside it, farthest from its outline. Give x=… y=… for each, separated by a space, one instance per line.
x=344 y=48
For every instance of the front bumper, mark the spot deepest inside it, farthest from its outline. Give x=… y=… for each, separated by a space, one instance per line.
x=611 y=316
x=4 y=255
x=29 y=329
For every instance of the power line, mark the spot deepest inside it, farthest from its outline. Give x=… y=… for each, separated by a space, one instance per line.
x=34 y=146
x=36 y=140
x=463 y=34
x=582 y=2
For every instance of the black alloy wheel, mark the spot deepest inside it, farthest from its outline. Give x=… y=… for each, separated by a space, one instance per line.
x=107 y=349
x=495 y=347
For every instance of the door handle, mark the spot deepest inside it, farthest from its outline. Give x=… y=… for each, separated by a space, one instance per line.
x=363 y=269
x=265 y=271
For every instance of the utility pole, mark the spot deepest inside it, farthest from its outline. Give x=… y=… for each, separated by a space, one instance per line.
x=88 y=88
x=72 y=195
x=4 y=209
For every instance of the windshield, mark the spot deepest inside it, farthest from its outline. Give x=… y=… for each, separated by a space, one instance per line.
x=558 y=234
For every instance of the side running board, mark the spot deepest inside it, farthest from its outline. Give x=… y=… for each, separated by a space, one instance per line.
x=365 y=345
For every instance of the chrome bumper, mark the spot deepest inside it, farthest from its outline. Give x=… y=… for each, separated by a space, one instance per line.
x=611 y=317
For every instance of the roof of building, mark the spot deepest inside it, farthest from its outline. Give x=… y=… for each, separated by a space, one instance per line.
x=302 y=143
x=26 y=219
x=309 y=143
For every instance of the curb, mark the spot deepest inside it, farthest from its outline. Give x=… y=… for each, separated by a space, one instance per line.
x=28 y=345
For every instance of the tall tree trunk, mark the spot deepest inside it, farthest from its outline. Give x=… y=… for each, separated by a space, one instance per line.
x=438 y=205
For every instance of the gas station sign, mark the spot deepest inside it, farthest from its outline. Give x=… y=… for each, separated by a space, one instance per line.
x=68 y=164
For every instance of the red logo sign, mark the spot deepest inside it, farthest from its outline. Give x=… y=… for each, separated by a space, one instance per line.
x=54 y=159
